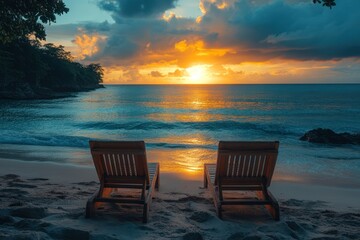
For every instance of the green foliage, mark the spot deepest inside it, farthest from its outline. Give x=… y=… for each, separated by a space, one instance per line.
x=29 y=69
x=21 y=18
x=46 y=68
x=327 y=3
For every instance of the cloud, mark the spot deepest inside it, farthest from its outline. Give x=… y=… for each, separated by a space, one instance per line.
x=229 y=33
x=286 y=29
x=88 y=44
x=156 y=74
x=178 y=73
x=136 y=8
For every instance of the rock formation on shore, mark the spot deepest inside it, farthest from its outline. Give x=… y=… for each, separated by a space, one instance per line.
x=328 y=136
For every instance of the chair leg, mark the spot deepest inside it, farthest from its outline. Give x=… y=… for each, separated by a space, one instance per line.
x=221 y=197
x=219 y=211
x=217 y=201
x=157 y=182
x=205 y=178
x=143 y=191
x=91 y=205
x=90 y=208
x=145 y=213
x=274 y=211
x=273 y=207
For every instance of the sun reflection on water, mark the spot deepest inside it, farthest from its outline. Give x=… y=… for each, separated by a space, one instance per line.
x=186 y=162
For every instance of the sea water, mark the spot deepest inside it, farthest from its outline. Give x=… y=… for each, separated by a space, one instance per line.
x=182 y=124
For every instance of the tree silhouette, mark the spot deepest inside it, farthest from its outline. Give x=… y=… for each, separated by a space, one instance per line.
x=21 y=18
x=327 y=3
x=29 y=69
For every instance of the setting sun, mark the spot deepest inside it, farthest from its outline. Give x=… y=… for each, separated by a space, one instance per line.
x=197 y=74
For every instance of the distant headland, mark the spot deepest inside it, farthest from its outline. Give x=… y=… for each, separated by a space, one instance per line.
x=32 y=70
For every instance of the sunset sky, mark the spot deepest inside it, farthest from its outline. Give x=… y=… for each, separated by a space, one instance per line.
x=214 y=41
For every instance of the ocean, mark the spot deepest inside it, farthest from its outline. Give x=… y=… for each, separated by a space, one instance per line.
x=182 y=124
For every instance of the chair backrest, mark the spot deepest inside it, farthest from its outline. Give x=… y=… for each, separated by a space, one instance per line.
x=120 y=161
x=242 y=163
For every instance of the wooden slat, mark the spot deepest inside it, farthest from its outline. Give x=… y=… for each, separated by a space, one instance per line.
x=120 y=200
x=134 y=165
x=251 y=166
x=245 y=202
x=152 y=167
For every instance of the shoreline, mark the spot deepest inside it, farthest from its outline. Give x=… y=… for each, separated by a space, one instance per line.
x=337 y=197
x=188 y=163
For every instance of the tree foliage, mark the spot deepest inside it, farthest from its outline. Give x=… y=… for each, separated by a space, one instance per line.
x=327 y=3
x=21 y=18
x=44 y=70
x=29 y=69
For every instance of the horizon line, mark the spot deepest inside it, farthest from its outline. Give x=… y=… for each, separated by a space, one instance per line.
x=196 y=84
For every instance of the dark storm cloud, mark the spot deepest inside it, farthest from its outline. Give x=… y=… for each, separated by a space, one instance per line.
x=136 y=8
x=292 y=30
x=252 y=30
x=132 y=41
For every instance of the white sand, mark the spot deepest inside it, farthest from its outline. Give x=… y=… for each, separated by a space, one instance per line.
x=47 y=201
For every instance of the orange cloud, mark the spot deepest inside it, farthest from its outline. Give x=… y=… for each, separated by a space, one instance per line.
x=87 y=44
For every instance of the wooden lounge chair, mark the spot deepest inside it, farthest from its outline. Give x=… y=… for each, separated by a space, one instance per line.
x=243 y=166
x=123 y=165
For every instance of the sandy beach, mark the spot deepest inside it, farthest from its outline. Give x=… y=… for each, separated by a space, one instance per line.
x=37 y=202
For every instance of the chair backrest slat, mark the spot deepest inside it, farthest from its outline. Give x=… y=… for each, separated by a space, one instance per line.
x=251 y=160
x=120 y=159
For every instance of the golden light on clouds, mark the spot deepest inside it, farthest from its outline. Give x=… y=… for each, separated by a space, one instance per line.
x=87 y=44
x=183 y=45
x=250 y=73
x=216 y=41
x=168 y=16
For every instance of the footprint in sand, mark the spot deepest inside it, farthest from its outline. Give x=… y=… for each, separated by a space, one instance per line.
x=38 y=179
x=13 y=191
x=21 y=185
x=10 y=176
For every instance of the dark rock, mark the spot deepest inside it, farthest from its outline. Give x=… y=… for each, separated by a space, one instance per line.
x=69 y=233
x=17 y=90
x=236 y=236
x=16 y=204
x=21 y=235
x=24 y=90
x=322 y=135
x=325 y=238
x=332 y=232
x=38 y=179
x=252 y=237
x=193 y=236
x=6 y=220
x=29 y=212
